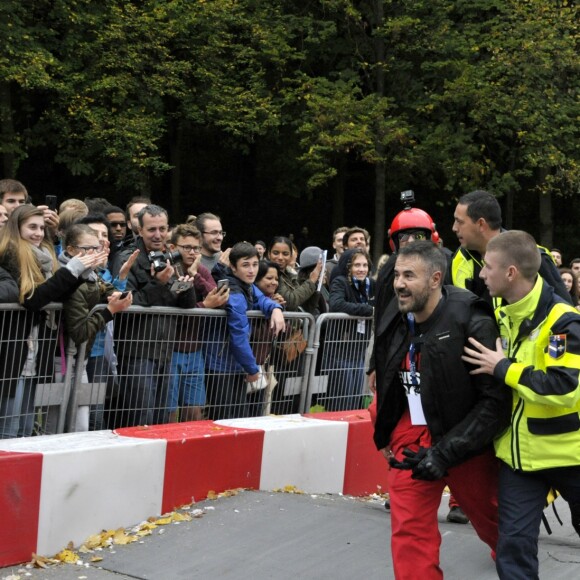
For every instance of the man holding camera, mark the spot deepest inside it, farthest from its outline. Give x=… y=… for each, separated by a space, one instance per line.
x=145 y=341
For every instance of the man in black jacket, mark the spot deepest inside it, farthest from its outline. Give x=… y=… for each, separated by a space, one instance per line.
x=144 y=342
x=435 y=422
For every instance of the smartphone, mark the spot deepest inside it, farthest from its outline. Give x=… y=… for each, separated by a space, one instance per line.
x=51 y=202
x=180 y=286
x=124 y=295
x=223 y=283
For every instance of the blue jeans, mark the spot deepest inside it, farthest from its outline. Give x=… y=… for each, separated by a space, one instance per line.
x=522 y=497
x=17 y=411
x=187 y=380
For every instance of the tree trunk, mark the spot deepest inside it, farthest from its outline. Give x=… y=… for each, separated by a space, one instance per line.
x=381 y=166
x=380 y=211
x=175 y=144
x=7 y=136
x=546 y=218
x=338 y=197
x=508 y=221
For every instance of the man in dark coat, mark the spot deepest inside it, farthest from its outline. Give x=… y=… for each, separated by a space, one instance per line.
x=435 y=422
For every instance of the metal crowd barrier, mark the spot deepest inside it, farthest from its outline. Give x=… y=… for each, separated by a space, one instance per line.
x=36 y=376
x=158 y=365
x=337 y=379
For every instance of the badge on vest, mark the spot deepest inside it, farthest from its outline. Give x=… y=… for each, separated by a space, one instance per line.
x=557 y=346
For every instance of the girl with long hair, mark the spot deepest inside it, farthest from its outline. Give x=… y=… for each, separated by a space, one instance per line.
x=31 y=338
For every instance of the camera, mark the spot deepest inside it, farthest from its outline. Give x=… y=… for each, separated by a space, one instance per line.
x=408 y=197
x=159 y=259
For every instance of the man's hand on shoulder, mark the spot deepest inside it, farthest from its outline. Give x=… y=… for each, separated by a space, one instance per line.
x=484 y=359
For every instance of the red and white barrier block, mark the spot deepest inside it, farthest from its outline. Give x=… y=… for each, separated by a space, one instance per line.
x=61 y=488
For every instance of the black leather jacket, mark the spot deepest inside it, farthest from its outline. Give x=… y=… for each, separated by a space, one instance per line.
x=464 y=412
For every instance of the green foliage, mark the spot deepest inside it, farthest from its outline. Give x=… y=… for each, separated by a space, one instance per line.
x=448 y=94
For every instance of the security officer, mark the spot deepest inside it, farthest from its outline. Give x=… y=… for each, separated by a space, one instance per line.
x=477 y=220
x=538 y=357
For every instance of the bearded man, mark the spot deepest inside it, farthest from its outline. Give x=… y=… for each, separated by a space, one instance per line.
x=435 y=422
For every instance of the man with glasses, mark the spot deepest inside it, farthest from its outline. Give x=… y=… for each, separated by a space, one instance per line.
x=187 y=390
x=212 y=236
x=408 y=225
x=435 y=421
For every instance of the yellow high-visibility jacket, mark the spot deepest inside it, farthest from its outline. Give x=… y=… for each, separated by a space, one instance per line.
x=541 y=338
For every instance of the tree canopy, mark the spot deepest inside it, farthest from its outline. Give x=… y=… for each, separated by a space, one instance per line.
x=338 y=104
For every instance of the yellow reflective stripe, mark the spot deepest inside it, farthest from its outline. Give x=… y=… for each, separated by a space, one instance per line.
x=567 y=360
x=512 y=377
x=557 y=311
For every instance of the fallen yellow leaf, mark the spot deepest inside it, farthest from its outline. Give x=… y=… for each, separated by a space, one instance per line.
x=289 y=489
x=177 y=517
x=122 y=539
x=67 y=556
x=148 y=526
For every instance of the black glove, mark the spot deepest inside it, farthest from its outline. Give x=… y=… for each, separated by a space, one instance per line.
x=431 y=467
x=412 y=459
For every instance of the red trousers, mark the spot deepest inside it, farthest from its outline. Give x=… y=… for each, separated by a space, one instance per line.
x=415 y=537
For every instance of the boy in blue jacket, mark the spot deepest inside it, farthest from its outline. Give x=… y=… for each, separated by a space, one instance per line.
x=230 y=362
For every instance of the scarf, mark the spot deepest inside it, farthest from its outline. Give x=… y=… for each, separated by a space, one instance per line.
x=44 y=260
x=363 y=288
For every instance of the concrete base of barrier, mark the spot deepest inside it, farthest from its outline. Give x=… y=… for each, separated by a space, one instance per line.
x=61 y=488
x=20 y=476
x=203 y=456
x=365 y=469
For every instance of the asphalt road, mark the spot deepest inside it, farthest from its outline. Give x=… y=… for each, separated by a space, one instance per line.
x=280 y=536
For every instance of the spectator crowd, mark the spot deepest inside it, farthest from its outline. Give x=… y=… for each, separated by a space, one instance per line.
x=472 y=354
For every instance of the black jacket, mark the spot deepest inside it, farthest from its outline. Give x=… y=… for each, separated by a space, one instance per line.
x=147 y=336
x=16 y=325
x=464 y=412
x=385 y=292
x=344 y=297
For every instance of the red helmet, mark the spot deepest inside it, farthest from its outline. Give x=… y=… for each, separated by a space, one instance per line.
x=412 y=218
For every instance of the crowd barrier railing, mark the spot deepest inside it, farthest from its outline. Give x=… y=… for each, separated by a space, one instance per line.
x=36 y=376
x=337 y=379
x=158 y=365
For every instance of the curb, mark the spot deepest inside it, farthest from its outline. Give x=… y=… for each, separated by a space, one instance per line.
x=55 y=489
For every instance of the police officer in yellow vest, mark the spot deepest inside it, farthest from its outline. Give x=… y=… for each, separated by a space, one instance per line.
x=538 y=357
x=476 y=221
